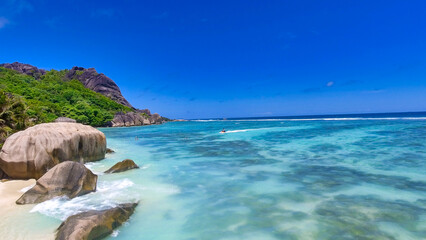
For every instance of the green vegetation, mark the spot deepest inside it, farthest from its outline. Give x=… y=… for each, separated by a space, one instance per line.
x=25 y=101
x=13 y=115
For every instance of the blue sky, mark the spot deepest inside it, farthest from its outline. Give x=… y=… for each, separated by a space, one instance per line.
x=202 y=59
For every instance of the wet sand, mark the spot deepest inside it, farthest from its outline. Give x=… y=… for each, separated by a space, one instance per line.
x=17 y=220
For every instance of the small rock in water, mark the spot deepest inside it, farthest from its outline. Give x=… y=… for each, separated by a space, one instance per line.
x=95 y=224
x=69 y=179
x=109 y=150
x=122 y=166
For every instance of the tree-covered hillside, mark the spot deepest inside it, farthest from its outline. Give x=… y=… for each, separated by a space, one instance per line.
x=25 y=101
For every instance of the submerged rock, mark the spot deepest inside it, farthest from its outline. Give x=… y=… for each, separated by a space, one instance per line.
x=94 y=224
x=69 y=179
x=32 y=152
x=109 y=150
x=122 y=166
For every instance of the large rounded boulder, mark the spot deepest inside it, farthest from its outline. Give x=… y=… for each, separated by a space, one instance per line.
x=32 y=152
x=69 y=179
x=95 y=224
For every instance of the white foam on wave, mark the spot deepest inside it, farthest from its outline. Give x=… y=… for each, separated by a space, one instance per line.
x=107 y=186
x=356 y=119
x=169 y=190
x=108 y=194
x=91 y=166
x=115 y=233
x=205 y=120
x=243 y=130
x=316 y=119
x=145 y=166
x=253 y=129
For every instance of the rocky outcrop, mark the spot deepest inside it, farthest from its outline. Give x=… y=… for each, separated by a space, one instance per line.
x=65 y=119
x=69 y=179
x=122 y=166
x=99 y=83
x=95 y=224
x=129 y=119
x=32 y=152
x=135 y=119
x=156 y=119
x=25 y=69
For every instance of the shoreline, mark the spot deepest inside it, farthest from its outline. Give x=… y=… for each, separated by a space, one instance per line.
x=10 y=191
x=18 y=222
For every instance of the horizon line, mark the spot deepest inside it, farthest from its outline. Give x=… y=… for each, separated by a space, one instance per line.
x=305 y=115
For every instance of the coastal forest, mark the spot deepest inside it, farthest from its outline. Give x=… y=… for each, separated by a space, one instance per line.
x=27 y=100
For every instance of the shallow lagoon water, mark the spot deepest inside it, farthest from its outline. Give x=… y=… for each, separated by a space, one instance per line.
x=277 y=179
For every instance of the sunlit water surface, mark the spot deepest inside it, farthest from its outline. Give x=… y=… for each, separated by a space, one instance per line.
x=342 y=179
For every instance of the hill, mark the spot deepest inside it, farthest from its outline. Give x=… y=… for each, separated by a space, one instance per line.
x=29 y=96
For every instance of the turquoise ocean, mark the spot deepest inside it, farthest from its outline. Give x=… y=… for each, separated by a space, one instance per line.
x=350 y=177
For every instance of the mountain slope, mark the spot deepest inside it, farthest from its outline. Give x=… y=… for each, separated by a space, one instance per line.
x=91 y=79
x=54 y=96
x=98 y=83
x=29 y=96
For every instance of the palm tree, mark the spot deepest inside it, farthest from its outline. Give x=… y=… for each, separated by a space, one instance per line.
x=13 y=115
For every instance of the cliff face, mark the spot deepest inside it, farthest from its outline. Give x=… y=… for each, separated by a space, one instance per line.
x=99 y=83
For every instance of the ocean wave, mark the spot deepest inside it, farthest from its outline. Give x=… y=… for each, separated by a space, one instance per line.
x=108 y=194
x=315 y=119
x=91 y=165
x=251 y=129
x=115 y=185
x=243 y=130
x=115 y=233
x=205 y=120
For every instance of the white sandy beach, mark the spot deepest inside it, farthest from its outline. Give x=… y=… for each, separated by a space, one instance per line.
x=17 y=221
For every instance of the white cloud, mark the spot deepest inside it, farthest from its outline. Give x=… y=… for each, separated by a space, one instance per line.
x=3 y=22
x=329 y=84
